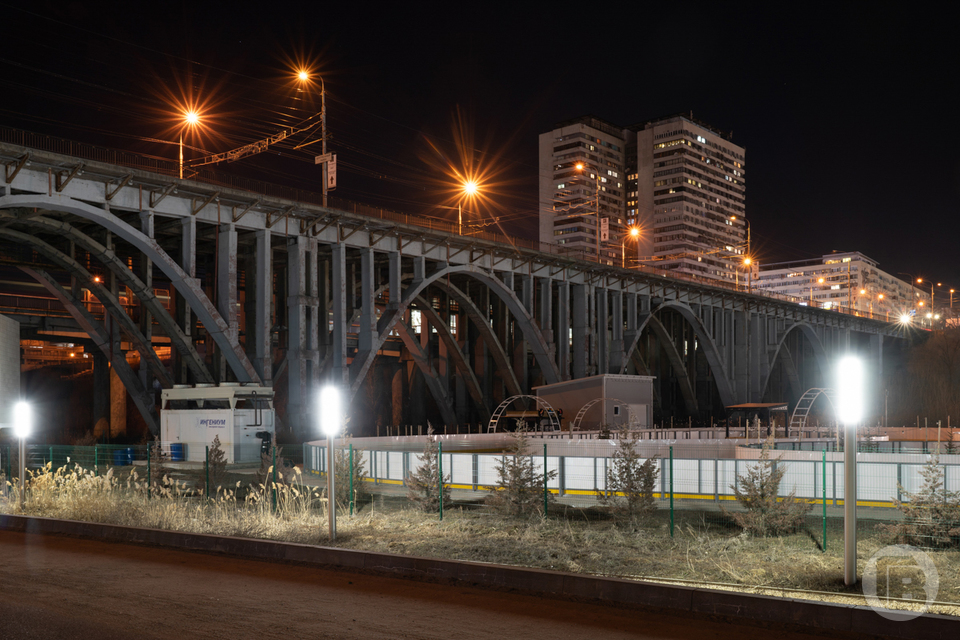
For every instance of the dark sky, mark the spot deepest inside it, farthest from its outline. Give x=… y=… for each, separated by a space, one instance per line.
x=847 y=115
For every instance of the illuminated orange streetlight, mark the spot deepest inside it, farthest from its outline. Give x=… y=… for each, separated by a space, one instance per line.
x=635 y=234
x=468 y=190
x=304 y=76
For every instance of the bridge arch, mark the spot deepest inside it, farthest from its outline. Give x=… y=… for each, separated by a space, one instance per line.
x=205 y=310
x=819 y=352
x=710 y=350
x=529 y=329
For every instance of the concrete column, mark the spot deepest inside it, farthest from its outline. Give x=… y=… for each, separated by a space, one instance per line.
x=188 y=262
x=339 y=294
x=227 y=285
x=393 y=267
x=263 y=310
x=101 y=394
x=367 y=334
x=563 y=329
x=545 y=310
x=580 y=345
x=419 y=269
x=740 y=356
x=118 y=406
x=616 y=333
x=323 y=308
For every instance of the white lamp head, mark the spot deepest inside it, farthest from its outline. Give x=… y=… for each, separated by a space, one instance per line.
x=22 y=419
x=850 y=390
x=330 y=411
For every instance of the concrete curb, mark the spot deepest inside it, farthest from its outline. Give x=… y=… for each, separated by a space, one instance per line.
x=766 y=611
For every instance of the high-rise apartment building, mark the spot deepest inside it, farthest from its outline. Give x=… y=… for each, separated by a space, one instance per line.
x=678 y=180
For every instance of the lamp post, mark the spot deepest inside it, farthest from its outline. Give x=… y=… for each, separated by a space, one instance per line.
x=951 y=299
x=470 y=188
x=920 y=281
x=580 y=166
x=634 y=233
x=190 y=118
x=304 y=76
x=850 y=411
x=746 y=263
x=331 y=419
x=22 y=419
x=819 y=281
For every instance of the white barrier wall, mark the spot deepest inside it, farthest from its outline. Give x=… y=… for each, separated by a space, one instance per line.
x=9 y=368
x=878 y=475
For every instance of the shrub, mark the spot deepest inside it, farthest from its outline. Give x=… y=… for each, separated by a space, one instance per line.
x=519 y=485
x=757 y=492
x=423 y=484
x=931 y=516
x=216 y=465
x=630 y=482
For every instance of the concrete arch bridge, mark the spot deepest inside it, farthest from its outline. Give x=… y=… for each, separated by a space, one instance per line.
x=419 y=323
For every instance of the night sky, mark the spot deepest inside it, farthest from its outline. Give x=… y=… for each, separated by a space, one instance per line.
x=848 y=117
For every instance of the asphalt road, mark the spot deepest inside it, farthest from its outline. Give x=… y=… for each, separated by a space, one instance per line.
x=63 y=588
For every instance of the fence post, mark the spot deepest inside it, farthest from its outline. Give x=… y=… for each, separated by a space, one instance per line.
x=671 y=491
x=440 y=474
x=545 y=479
x=206 y=465
x=274 y=477
x=824 y=500
x=96 y=461
x=149 y=455
x=351 y=478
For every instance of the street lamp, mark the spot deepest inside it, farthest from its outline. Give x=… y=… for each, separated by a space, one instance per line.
x=469 y=189
x=951 y=299
x=746 y=263
x=190 y=119
x=331 y=419
x=580 y=166
x=303 y=76
x=920 y=281
x=819 y=281
x=634 y=233
x=849 y=412
x=22 y=419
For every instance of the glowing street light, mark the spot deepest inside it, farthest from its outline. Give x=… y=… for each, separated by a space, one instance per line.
x=190 y=119
x=580 y=166
x=746 y=263
x=331 y=420
x=468 y=189
x=304 y=76
x=850 y=405
x=635 y=234
x=22 y=423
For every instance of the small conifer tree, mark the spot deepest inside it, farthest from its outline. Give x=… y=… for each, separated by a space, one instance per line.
x=343 y=471
x=630 y=481
x=216 y=464
x=757 y=491
x=423 y=485
x=519 y=485
x=931 y=516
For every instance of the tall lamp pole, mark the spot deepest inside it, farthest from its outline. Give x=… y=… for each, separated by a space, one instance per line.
x=850 y=411
x=331 y=419
x=303 y=75
x=190 y=118
x=580 y=166
x=22 y=419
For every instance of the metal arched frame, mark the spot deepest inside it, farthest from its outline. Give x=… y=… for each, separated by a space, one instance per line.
x=140 y=396
x=422 y=360
x=531 y=332
x=110 y=303
x=710 y=350
x=676 y=362
x=818 y=350
x=798 y=419
x=189 y=287
x=575 y=426
x=503 y=406
x=143 y=293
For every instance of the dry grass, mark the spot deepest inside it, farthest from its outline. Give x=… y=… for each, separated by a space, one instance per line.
x=575 y=540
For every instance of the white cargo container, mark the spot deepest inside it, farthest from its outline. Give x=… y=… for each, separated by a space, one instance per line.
x=242 y=415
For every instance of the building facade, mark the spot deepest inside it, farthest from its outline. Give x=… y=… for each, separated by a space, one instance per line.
x=848 y=280
x=680 y=182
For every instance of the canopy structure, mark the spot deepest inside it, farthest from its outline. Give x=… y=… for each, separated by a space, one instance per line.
x=763 y=410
